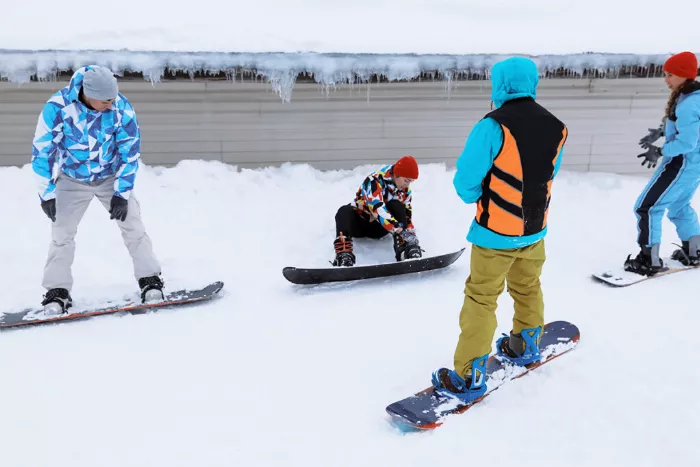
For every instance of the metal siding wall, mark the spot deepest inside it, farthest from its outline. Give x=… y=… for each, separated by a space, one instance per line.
x=246 y=123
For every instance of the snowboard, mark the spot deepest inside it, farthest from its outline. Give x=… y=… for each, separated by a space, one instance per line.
x=428 y=408
x=618 y=277
x=353 y=273
x=36 y=316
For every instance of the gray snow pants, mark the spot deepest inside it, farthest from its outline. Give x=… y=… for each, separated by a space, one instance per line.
x=72 y=200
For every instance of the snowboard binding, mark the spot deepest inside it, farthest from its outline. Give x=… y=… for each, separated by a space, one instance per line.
x=448 y=382
x=688 y=253
x=646 y=263
x=406 y=246
x=344 y=255
x=57 y=301
x=151 y=289
x=520 y=349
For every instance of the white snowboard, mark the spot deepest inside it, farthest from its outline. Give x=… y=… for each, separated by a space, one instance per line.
x=621 y=278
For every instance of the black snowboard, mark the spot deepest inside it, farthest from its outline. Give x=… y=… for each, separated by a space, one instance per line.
x=428 y=408
x=36 y=316
x=353 y=273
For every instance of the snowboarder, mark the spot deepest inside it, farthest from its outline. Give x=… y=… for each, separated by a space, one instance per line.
x=382 y=205
x=507 y=167
x=87 y=144
x=678 y=175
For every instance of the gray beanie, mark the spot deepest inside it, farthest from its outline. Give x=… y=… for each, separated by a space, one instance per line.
x=99 y=83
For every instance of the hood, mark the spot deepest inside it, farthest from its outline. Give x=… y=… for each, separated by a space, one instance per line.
x=513 y=78
x=75 y=84
x=690 y=88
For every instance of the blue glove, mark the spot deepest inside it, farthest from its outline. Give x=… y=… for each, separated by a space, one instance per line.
x=651 y=156
x=654 y=134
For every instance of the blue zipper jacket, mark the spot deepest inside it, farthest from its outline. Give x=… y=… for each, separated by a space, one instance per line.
x=682 y=136
x=76 y=141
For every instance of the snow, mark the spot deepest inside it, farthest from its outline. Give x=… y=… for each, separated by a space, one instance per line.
x=337 y=42
x=275 y=374
x=282 y=70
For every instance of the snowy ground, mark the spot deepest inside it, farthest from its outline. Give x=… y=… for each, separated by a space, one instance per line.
x=272 y=374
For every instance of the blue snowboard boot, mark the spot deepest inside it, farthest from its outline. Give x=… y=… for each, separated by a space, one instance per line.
x=448 y=382
x=520 y=349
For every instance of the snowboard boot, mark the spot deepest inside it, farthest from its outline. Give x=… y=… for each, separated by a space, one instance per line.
x=689 y=253
x=343 y=251
x=57 y=301
x=407 y=249
x=647 y=262
x=521 y=349
x=448 y=382
x=151 y=289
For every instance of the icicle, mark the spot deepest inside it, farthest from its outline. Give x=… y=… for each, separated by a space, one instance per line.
x=282 y=82
x=447 y=75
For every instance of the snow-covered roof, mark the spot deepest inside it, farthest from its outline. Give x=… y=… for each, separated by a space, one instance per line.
x=339 y=41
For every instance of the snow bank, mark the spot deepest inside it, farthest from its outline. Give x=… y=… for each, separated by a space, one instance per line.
x=283 y=69
x=271 y=374
x=337 y=42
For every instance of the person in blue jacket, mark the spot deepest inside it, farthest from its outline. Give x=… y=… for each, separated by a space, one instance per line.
x=87 y=144
x=507 y=167
x=677 y=177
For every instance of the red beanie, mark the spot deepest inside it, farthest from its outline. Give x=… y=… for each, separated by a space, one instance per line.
x=406 y=167
x=684 y=64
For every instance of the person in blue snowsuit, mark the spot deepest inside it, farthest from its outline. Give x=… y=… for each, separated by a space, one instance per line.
x=677 y=177
x=86 y=145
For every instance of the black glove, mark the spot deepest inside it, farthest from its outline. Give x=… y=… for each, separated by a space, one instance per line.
x=651 y=156
x=118 y=208
x=654 y=134
x=49 y=208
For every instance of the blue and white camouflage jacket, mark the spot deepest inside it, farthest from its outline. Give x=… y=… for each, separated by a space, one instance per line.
x=76 y=141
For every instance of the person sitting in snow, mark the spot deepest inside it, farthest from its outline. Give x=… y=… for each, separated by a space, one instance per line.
x=382 y=205
x=507 y=167
x=87 y=144
x=676 y=180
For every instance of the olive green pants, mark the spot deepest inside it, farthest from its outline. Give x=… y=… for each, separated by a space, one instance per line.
x=489 y=270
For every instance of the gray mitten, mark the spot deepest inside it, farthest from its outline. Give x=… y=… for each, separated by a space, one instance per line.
x=651 y=156
x=653 y=135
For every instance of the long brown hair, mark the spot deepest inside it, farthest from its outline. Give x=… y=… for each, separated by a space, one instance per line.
x=673 y=99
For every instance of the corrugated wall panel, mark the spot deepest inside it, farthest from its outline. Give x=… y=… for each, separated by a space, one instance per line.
x=246 y=123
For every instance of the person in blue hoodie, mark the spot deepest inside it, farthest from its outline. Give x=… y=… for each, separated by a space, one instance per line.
x=87 y=144
x=673 y=185
x=507 y=167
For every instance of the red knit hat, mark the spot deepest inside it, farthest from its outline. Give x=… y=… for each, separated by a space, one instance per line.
x=406 y=167
x=684 y=64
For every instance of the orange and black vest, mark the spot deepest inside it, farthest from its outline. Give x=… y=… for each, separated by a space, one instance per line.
x=516 y=191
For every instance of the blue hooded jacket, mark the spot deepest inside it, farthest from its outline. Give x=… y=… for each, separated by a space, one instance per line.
x=511 y=79
x=683 y=134
x=76 y=141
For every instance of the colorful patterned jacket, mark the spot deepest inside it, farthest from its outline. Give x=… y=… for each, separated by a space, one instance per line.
x=85 y=144
x=377 y=190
